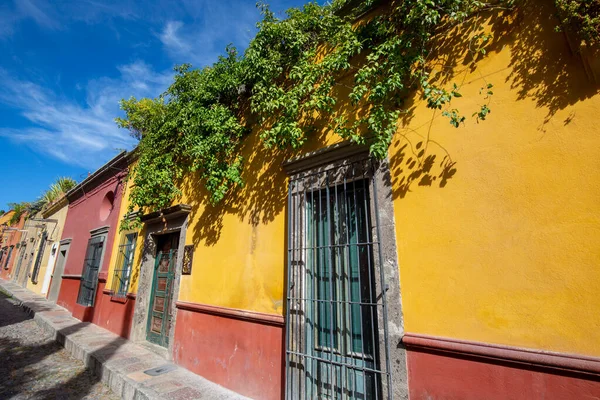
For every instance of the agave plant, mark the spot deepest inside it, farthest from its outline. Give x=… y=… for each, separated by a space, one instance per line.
x=58 y=189
x=64 y=184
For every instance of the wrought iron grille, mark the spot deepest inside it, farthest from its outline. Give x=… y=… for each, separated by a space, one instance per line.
x=89 y=279
x=38 y=258
x=122 y=276
x=337 y=337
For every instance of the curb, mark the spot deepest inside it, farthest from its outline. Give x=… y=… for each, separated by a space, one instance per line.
x=119 y=363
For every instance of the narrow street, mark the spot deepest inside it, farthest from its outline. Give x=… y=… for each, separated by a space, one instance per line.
x=33 y=366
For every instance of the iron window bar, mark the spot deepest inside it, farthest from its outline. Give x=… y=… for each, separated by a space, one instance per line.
x=38 y=258
x=120 y=283
x=335 y=299
x=122 y=275
x=89 y=278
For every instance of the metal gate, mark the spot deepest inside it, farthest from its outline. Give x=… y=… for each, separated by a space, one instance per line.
x=337 y=337
x=38 y=259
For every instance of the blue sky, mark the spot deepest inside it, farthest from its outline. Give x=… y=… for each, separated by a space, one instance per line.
x=64 y=66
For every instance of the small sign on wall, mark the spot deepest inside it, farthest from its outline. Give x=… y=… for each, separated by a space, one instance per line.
x=188 y=255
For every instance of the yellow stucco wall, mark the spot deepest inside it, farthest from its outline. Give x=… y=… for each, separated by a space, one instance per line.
x=497 y=222
x=54 y=235
x=503 y=246
x=239 y=256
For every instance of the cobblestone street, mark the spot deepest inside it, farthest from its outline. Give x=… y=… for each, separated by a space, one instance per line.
x=33 y=366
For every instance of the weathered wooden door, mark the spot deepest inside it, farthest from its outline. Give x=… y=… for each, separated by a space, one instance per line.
x=159 y=315
x=63 y=252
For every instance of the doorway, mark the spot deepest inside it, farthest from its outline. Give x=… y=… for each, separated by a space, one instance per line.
x=161 y=296
x=56 y=281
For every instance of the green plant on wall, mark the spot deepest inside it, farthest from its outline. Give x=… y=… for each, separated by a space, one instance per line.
x=288 y=83
x=581 y=17
x=59 y=188
x=18 y=210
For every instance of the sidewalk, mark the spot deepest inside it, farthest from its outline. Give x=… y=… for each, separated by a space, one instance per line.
x=119 y=363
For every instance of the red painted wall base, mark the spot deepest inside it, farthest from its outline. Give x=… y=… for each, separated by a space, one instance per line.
x=244 y=356
x=439 y=375
x=67 y=297
x=113 y=314
x=108 y=313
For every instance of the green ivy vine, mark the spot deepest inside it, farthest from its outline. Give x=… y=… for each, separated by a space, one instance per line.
x=582 y=17
x=288 y=83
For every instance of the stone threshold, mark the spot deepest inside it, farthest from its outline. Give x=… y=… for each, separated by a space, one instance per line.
x=118 y=362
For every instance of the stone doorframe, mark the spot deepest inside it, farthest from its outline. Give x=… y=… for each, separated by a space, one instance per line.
x=166 y=221
x=332 y=158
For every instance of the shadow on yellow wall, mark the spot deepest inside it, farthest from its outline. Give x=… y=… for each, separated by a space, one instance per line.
x=540 y=70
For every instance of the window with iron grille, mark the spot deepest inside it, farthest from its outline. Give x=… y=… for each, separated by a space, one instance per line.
x=125 y=257
x=38 y=259
x=337 y=341
x=91 y=266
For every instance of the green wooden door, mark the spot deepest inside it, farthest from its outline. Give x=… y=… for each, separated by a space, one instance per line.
x=159 y=317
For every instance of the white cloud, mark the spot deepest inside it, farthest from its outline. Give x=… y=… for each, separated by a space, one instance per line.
x=78 y=134
x=209 y=26
x=170 y=39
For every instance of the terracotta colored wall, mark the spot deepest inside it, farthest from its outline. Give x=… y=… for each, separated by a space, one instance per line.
x=5 y=240
x=84 y=216
x=497 y=222
x=445 y=376
x=244 y=356
x=12 y=238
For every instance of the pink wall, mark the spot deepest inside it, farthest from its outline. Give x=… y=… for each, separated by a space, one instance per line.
x=85 y=214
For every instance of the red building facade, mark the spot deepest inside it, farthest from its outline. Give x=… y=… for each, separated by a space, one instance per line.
x=90 y=228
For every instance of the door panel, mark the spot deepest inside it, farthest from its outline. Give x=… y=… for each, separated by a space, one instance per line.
x=49 y=267
x=161 y=297
x=63 y=252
